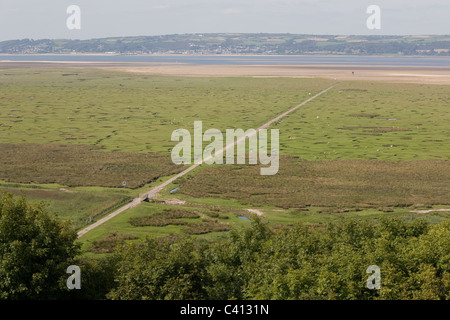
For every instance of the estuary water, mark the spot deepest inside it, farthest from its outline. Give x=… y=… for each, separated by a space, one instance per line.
x=243 y=60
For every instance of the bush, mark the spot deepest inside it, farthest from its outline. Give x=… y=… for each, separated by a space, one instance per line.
x=108 y=243
x=165 y=218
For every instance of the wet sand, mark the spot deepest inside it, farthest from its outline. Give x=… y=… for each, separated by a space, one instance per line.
x=424 y=75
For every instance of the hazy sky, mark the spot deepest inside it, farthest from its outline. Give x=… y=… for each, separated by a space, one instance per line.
x=37 y=19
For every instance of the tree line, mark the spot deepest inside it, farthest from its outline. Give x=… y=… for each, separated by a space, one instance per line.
x=327 y=261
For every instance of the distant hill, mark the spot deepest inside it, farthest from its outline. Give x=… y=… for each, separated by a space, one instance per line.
x=225 y=43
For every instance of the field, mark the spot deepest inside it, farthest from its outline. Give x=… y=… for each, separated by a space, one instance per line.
x=334 y=183
x=77 y=165
x=80 y=205
x=119 y=111
x=372 y=120
x=89 y=140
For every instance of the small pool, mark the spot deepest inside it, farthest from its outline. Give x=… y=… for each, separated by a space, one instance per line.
x=244 y=218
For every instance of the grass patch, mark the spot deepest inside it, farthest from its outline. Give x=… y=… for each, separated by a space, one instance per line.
x=364 y=115
x=217 y=215
x=165 y=218
x=79 y=165
x=120 y=111
x=362 y=119
x=334 y=183
x=108 y=243
x=206 y=226
x=81 y=205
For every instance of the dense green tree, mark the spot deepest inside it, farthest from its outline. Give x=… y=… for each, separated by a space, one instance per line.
x=296 y=262
x=151 y=270
x=256 y=262
x=35 y=250
x=330 y=263
x=227 y=259
x=97 y=278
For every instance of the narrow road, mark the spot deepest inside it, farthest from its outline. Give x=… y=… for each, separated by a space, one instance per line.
x=158 y=188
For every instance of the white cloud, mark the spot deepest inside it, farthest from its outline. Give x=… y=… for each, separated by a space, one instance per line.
x=231 y=11
x=161 y=7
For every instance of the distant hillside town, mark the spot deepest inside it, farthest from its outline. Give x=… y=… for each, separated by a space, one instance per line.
x=238 y=44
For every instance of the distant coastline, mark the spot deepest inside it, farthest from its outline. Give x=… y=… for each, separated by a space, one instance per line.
x=240 y=44
x=105 y=54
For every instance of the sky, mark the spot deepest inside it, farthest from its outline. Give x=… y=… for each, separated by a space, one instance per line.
x=46 y=19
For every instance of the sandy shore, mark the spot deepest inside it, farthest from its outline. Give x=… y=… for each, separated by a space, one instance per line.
x=424 y=75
